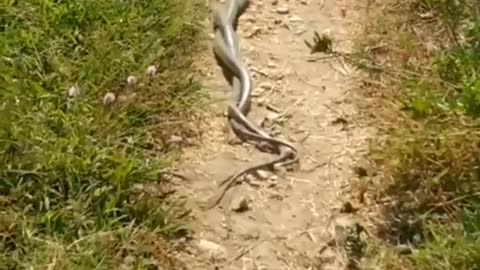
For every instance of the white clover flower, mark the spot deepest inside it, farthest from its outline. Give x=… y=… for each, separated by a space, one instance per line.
x=109 y=98
x=131 y=81
x=151 y=70
x=73 y=91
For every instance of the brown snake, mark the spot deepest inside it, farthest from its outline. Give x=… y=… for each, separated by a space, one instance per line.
x=228 y=57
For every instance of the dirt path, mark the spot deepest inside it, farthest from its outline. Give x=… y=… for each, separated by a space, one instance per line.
x=287 y=223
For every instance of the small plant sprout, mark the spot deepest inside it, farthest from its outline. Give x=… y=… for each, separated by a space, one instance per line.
x=109 y=99
x=131 y=81
x=73 y=91
x=151 y=71
x=321 y=44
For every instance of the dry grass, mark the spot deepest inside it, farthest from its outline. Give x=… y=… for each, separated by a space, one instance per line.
x=421 y=89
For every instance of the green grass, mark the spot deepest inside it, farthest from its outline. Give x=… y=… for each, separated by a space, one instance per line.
x=80 y=182
x=430 y=167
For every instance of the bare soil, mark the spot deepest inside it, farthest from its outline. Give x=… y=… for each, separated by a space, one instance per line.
x=287 y=220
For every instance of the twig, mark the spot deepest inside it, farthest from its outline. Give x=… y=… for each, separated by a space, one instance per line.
x=305 y=81
x=448 y=203
x=23 y=172
x=232 y=180
x=174 y=174
x=243 y=252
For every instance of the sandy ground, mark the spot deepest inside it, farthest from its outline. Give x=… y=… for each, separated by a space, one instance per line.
x=288 y=222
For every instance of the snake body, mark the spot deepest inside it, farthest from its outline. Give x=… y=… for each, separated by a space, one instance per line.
x=227 y=53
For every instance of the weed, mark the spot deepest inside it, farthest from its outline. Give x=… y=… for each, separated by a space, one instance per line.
x=321 y=43
x=80 y=182
x=430 y=167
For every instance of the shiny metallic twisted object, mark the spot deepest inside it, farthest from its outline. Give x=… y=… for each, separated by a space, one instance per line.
x=227 y=54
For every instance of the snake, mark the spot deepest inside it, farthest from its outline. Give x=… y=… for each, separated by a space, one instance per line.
x=227 y=54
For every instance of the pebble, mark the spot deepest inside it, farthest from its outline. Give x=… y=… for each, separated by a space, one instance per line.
x=263 y=174
x=239 y=205
x=266 y=85
x=304 y=2
x=273 y=181
x=272 y=116
x=252 y=181
x=214 y=250
x=282 y=10
x=295 y=19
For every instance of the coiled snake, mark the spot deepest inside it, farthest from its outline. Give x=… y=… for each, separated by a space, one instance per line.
x=228 y=57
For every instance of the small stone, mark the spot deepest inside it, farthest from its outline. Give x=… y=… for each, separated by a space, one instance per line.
x=239 y=205
x=300 y=32
x=272 y=116
x=275 y=74
x=277 y=21
x=213 y=249
x=276 y=196
x=272 y=184
x=266 y=85
x=271 y=64
x=253 y=181
x=263 y=174
x=282 y=10
x=109 y=98
x=274 y=2
x=304 y=2
x=295 y=19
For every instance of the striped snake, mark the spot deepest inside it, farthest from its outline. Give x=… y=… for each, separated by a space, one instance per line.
x=227 y=54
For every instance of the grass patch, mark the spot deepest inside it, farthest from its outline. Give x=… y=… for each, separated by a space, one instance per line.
x=428 y=66
x=81 y=183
